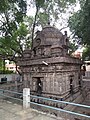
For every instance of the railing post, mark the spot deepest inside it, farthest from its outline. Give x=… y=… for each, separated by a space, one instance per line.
x=26 y=98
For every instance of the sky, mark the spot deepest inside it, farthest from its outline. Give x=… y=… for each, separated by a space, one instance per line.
x=62 y=22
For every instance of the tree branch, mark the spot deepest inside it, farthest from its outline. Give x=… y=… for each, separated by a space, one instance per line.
x=63 y=28
x=7 y=20
x=34 y=24
x=20 y=45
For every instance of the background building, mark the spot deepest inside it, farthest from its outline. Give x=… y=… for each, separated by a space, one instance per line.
x=10 y=65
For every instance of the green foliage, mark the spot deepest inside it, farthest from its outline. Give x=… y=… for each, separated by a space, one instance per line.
x=79 y=24
x=1 y=64
x=42 y=19
x=54 y=8
x=72 y=48
x=6 y=72
x=86 y=53
x=48 y=11
x=39 y=3
x=15 y=25
x=13 y=43
x=13 y=30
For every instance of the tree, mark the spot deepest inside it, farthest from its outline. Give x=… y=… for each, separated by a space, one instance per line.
x=86 y=53
x=79 y=24
x=48 y=11
x=13 y=24
x=12 y=29
x=72 y=47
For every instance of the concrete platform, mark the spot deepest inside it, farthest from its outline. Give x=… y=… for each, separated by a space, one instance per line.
x=10 y=111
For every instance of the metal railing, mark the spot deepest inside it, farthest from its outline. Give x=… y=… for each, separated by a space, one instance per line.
x=3 y=93
x=58 y=101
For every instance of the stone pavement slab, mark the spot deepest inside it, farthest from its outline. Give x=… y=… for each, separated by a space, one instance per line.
x=10 y=111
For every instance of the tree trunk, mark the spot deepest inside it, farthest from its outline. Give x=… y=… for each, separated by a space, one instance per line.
x=34 y=23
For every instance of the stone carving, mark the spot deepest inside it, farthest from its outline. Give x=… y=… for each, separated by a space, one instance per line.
x=50 y=46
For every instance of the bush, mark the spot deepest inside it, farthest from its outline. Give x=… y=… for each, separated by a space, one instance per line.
x=6 y=72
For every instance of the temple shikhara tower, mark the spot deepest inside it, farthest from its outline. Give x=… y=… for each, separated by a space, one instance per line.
x=48 y=69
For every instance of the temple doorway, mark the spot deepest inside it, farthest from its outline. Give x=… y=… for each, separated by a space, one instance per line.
x=39 y=86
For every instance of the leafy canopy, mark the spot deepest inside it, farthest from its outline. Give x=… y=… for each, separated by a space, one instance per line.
x=15 y=25
x=79 y=24
x=49 y=11
x=12 y=28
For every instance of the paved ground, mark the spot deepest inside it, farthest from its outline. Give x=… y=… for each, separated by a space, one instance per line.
x=10 y=111
x=83 y=110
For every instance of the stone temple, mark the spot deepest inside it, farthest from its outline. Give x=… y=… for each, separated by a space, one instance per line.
x=48 y=69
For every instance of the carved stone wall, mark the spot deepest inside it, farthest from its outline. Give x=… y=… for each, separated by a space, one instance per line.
x=59 y=77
